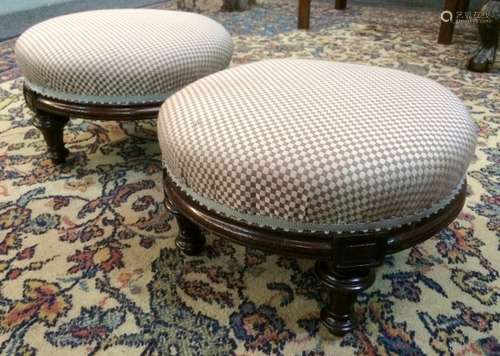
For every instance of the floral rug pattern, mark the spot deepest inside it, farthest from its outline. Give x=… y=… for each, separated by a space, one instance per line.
x=87 y=257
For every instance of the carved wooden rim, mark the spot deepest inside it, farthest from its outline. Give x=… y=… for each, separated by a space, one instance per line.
x=91 y=111
x=307 y=244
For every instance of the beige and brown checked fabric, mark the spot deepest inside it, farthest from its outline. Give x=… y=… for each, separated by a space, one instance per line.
x=126 y=56
x=315 y=145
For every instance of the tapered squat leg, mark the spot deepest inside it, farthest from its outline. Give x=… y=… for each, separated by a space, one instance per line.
x=343 y=288
x=190 y=239
x=52 y=128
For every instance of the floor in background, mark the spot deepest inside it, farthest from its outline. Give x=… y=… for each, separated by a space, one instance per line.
x=17 y=16
x=429 y=4
x=87 y=256
x=10 y=7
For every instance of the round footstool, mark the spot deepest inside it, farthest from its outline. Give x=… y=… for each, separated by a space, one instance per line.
x=338 y=162
x=114 y=65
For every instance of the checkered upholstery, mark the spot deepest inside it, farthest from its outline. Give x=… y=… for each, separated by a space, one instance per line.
x=126 y=56
x=316 y=145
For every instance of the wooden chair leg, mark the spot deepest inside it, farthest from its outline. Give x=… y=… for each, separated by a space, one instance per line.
x=304 y=14
x=447 y=26
x=340 y=4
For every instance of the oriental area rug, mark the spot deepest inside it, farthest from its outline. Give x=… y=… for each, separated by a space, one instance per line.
x=88 y=264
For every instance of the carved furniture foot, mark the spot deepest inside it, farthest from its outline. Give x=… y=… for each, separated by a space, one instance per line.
x=484 y=56
x=52 y=127
x=343 y=287
x=190 y=240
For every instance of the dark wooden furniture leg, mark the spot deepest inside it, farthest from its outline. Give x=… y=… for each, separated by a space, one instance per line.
x=52 y=115
x=343 y=287
x=340 y=4
x=448 y=21
x=52 y=128
x=190 y=239
x=304 y=14
x=484 y=56
x=463 y=5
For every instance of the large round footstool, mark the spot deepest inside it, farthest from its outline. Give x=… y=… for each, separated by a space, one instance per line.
x=337 y=162
x=114 y=65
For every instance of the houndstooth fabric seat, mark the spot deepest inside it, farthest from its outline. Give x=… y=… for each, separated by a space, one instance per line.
x=128 y=56
x=315 y=145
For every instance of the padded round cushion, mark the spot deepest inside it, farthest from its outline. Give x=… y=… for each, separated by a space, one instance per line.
x=126 y=56
x=316 y=145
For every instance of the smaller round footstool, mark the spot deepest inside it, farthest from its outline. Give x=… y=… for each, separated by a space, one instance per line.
x=114 y=65
x=341 y=163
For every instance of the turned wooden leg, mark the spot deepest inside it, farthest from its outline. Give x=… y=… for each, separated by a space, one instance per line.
x=190 y=239
x=343 y=286
x=52 y=127
x=340 y=4
x=304 y=14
